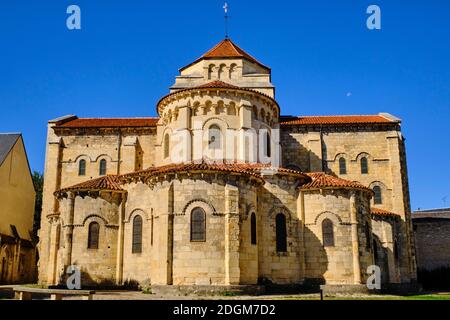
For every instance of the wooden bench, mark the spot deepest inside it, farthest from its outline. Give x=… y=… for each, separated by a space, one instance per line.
x=25 y=293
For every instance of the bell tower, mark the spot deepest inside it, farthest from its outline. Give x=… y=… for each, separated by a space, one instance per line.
x=226 y=62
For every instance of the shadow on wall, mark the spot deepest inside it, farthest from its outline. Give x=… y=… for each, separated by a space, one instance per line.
x=316 y=261
x=381 y=259
x=99 y=283
x=296 y=156
x=437 y=279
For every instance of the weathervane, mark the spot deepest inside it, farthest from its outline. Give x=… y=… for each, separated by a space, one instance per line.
x=225 y=8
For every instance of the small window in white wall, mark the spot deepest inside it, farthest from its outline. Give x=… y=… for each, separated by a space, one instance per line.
x=198 y=225
x=214 y=135
x=102 y=169
x=93 y=235
x=342 y=166
x=327 y=233
x=377 y=198
x=137 y=235
x=166 y=146
x=211 y=71
x=82 y=168
x=253 y=229
x=364 y=166
x=268 y=146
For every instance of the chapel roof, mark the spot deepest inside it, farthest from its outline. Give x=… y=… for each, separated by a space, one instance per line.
x=146 y=122
x=255 y=170
x=226 y=49
x=114 y=182
x=217 y=84
x=321 y=180
x=105 y=183
x=336 y=120
x=383 y=213
x=109 y=123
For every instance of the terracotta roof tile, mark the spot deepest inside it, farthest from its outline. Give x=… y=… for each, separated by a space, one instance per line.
x=114 y=182
x=215 y=85
x=256 y=170
x=383 y=213
x=321 y=180
x=107 y=183
x=110 y=123
x=335 y=120
x=227 y=49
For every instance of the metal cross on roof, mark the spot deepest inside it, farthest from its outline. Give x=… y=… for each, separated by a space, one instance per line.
x=225 y=8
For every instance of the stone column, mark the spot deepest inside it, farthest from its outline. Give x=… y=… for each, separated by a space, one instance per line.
x=165 y=234
x=355 y=239
x=248 y=142
x=52 y=265
x=301 y=210
x=52 y=182
x=120 y=242
x=68 y=232
x=232 y=235
x=401 y=204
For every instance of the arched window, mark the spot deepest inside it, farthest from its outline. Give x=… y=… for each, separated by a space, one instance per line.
x=93 y=235
x=198 y=225
x=364 y=166
x=281 y=233
x=368 y=237
x=137 y=235
x=82 y=168
x=253 y=228
x=211 y=71
x=342 y=166
x=255 y=113
x=377 y=198
x=214 y=137
x=102 y=170
x=221 y=71
x=327 y=233
x=166 y=146
x=268 y=145
x=232 y=71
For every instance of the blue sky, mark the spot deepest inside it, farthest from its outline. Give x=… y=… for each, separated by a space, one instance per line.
x=128 y=53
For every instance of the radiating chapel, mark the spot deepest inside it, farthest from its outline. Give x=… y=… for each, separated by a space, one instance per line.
x=221 y=189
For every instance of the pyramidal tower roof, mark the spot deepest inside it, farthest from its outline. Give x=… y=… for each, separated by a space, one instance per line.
x=226 y=49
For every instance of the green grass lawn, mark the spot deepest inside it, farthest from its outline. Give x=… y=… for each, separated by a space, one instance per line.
x=390 y=297
x=428 y=296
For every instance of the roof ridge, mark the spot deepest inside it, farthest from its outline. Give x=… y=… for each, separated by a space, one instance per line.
x=234 y=51
x=325 y=180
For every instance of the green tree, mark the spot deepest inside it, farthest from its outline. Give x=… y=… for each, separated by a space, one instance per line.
x=38 y=181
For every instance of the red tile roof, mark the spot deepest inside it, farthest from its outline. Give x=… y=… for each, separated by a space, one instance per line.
x=218 y=84
x=321 y=180
x=215 y=85
x=106 y=183
x=110 y=123
x=383 y=213
x=336 y=120
x=192 y=167
x=226 y=49
x=255 y=170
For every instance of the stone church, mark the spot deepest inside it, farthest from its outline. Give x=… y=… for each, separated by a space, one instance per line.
x=221 y=190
